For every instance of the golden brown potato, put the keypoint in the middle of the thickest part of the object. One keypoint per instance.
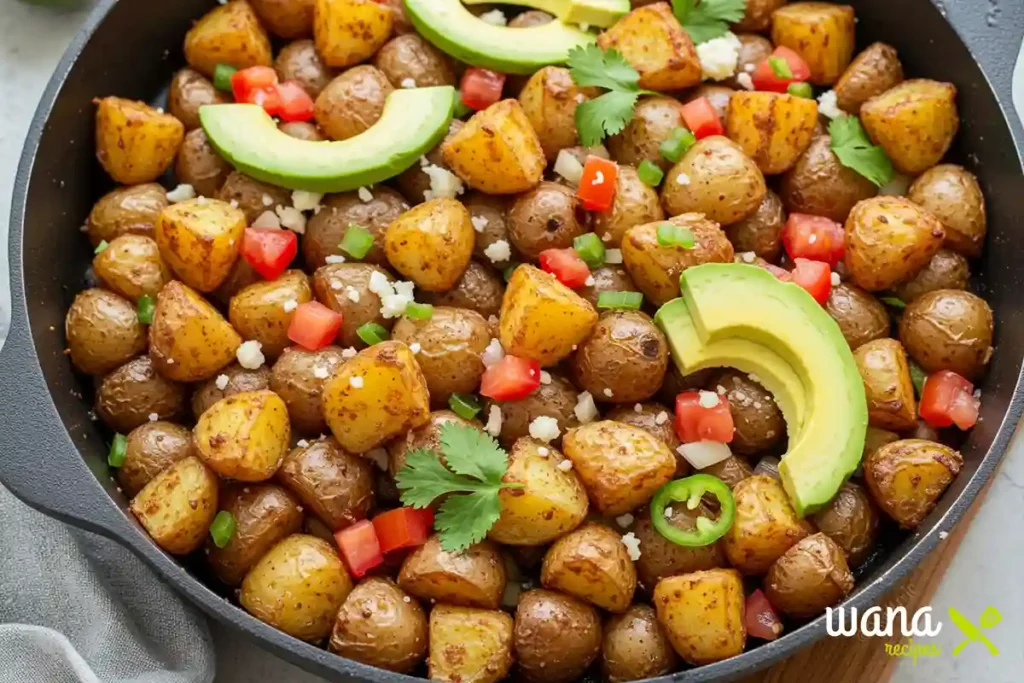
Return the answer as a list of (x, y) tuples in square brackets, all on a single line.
[(555, 399), (547, 217), (757, 419), (556, 637), (151, 449), (239, 379), (297, 587), (949, 329), (907, 477), (654, 120), (132, 394), (199, 165), (500, 136), (178, 505), (914, 122), (287, 19), (126, 210), (326, 230), (655, 419), (190, 90), (623, 360), (469, 645), (451, 342), (426, 437), (714, 178), (228, 34), (264, 515), (431, 244), (660, 557), (702, 614), (352, 103), (607, 279), (131, 266), (771, 128), (332, 483), (656, 45), (851, 520), (820, 32), (953, 195), (199, 240), (298, 377), (635, 203), (103, 331), (889, 239), (252, 197), (656, 269), (760, 233), (946, 270), (471, 578), (378, 624), (135, 143), (809, 577), (345, 288), (765, 525), (592, 564), (758, 15), (245, 436), (821, 186), (350, 31), (890, 393), (635, 646), (414, 182), (874, 71), (264, 311), (732, 470), (549, 100), (479, 289), (241, 276), (409, 61), (299, 62), (860, 316)]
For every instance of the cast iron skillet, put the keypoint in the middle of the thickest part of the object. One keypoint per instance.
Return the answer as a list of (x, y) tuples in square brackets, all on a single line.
[(53, 456)]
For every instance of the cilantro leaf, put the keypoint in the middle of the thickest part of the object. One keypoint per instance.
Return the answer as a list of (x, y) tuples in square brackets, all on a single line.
[(592, 66), (465, 520), (854, 150), (708, 19), (609, 114), (473, 453), (424, 479)]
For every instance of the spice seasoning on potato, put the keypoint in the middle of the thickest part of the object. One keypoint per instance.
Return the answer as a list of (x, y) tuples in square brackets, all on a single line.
[(946, 270), (351, 103), (765, 525), (592, 564), (761, 231), (661, 558), (635, 646), (914, 122), (547, 217), (133, 210), (556, 636), (469, 645), (178, 505), (332, 483), (471, 578), (809, 577), (949, 329), (871, 73), (654, 120), (715, 178), (702, 613), (135, 143), (907, 477), (623, 360), (150, 449), (556, 399), (245, 436), (396, 644), (851, 520), (953, 195), (132, 394), (103, 331)]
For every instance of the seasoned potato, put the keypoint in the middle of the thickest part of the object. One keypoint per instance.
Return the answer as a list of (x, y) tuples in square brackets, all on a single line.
[(654, 120), (431, 244), (607, 279), (851, 520), (820, 32), (906, 478), (228, 34), (103, 331), (252, 197), (498, 137), (635, 203), (126, 210), (556, 637), (451, 342), (555, 399), (190, 90), (378, 394), (326, 230), (821, 186), (199, 241), (715, 178), (130, 395), (754, 49), (472, 578), (860, 316), (702, 614), (655, 419), (889, 239), (135, 143), (761, 231), (345, 288), (952, 193), (549, 100), (241, 276), (479, 289), (378, 624), (890, 393), (264, 515), (876, 438), (809, 577), (352, 102), (178, 505), (541, 318), (949, 329), (410, 61), (426, 437), (732, 470), (765, 525), (298, 377), (914, 122), (635, 646), (758, 421), (660, 557), (151, 449), (656, 45), (199, 165), (489, 216), (297, 587), (874, 71), (758, 15), (258, 311), (287, 19), (131, 266), (469, 645), (301, 130), (623, 360), (547, 217), (656, 268), (772, 129), (332, 483), (414, 182), (350, 31), (239, 379), (620, 466), (299, 62), (592, 564), (245, 436), (400, 19), (946, 270)]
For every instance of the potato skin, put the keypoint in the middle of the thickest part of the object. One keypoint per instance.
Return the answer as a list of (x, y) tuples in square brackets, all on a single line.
[(189, 340), (297, 587), (298, 61), (758, 15), (152, 448), (557, 400), (949, 330), (771, 128), (821, 186), (653, 418), (126, 210), (809, 577), (134, 142), (890, 393), (414, 181), (245, 436), (635, 203), (860, 316), (178, 505), (350, 31), (332, 483), (479, 289), (547, 217), (914, 122), (431, 244), (199, 165), (761, 231), (451, 343), (758, 421), (754, 49), (765, 525), (469, 645), (409, 56), (607, 278), (871, 73), (657, 46), (654, 119), (732, 470), (229, 34), (472, 578), (851, 520), (239, 379), (715, 178), (625, 355), (490, 218), (294, 378), (252, 197), (257, 312), (822, 33), (556, 636), (661, 558), (326, 230), (335, 283), (103, 331), (351, 103), (199, 240), (128, 396), (190, 90), (378, 624), (946, 270), (635, 646), (549, 100), (702, 614), (286, 18), (907, 477), (592, 564), (953, 195)]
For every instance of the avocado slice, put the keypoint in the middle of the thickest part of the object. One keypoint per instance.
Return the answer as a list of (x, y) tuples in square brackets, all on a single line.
[(412, 123), (455, 30), (600, 13)]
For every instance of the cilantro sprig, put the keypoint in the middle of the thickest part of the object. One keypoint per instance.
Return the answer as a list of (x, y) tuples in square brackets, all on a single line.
[(854, 150), (608, 114), (470, 482), (706, 20)]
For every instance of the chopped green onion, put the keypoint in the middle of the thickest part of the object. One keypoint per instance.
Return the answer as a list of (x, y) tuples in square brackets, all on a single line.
[(803, 90), (650, 173), (677, 145), (590, 248), (372, 333), (357, 241), (465, 406), (509, 269), (222, 74), (780, 67), (630, 300), (223, 528), (146, 307), (672, 235), (118, 451), (894, 302), (918, 376), (461, 108), (101, 247), (418, 311)]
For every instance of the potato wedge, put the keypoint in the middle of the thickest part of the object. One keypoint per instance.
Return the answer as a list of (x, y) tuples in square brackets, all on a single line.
[(228, 34), (245, 436), (773, 129), (431, 244), (592, 564), (907, 477), (189, 340), (820, 32), (703, 614), (396, 642), (178, 505), (135, 143), (914, 122), (131, 266), (549, 100), (199, 240), (883, 366), (765, 525), (350, 31), (472, 578), (378, 394), (263, 311), (498, 137), (654, 42), (469, 645), (872, 72)]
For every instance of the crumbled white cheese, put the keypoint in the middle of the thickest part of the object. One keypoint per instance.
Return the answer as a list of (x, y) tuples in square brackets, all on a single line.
[(394, 297), (379, 456), (662, 418), (379, 284), (545, 377), (897, 187), (608, 392), (302, 443), (668, 512), (721, 390), (638, 408), (943, 535), (250, 356), (683, 179), (291, 218), (828, 105), (590, 281), (415, 347), (356, 382), (353, 294), (493, 353), (498, 252), (405, 288), (334, 258), (320, 372), (267, 219), (393, 306), (170, 361), (202, 201), (306, 201), (836, 280), (586, 409), (565, 465), (424, 161), (480, 223), (182, 193), (290, 305), (569, 167), (222, 382), (408, 83), (543, 451), (493, 426), (365, 196), (624, 520), (613, 256), (632, 544), (153, 417), (748, 257), (754, 378), (495, 17), (598, 179), (443, 183), (268, 200), (545, 428), (719, 57), (708, 399), (350, 352), (745, 81)]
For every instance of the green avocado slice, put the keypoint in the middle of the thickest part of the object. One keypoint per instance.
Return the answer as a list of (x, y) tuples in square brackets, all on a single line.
[(600, 13), (413, 121), (457, 31)]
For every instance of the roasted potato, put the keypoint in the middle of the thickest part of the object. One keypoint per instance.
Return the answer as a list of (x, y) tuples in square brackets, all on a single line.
[(345, 288), (287, 19), (178, 505), (555, 399), (754, 49), (772, 129), (760, 233), (245, 436), (426, 437), (126, 210), (472, 578), (350, 31), (715, 178), (297, 587), (199, 240), (299, 62), (890, 393), (654, 120), (135, 143), (635, 646), (409, 61), (732, 470), (298, 377), (949, 329), (489, 216), (228, 34), (874, 71), (352, 103), (332, 483), (479, 289), (301, 130), (907, 477), (241, 276), (103, 331), (809, 577), (199, 165), (189, 340), (851, 520), (252, 197), (549, 100), (451, 342), (860, 316), (820, 32), (914, 122), (400, 19), (431, 244), (655, 419), (238, 379), (953, 195), (592, 564), (765, 525), (131, 395), (469, 645), (656, 45), (623, 360), (547, 217), (757, 16), (702, 614), (876, 438), (326, 230), (152, 448), (607, 279), (189, 91), (417, 180), (821, 186), (131, 266), (264, 311), (946, 270), (556, 637), (635, 203), (396, 642), (660, 557), (758, 421)]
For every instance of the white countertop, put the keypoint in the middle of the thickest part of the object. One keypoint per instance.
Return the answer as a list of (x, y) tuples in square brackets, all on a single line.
[(986, 571)]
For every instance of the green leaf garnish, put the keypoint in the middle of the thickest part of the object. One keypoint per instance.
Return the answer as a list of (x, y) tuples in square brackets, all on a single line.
[(854, 150), (893, 302), (708, 19), (590, 66)]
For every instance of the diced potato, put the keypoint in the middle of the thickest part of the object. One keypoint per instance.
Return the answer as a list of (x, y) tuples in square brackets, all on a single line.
[(821, 32), (541, 318), (178, 505), (890, 392), (871, 73), (549, 100), (263, 311), (378, 394), (135, 143), (380, 625), (350, 31), (907, 477), (132, 267), (765, 525), (773, 129), (654, 42), (199, 239), (189, 340), (244, 436), (431, 244), (592, 564), (915, 123), (703, 614), (474, 577), (228, 34), (469, 645), (497, 151)]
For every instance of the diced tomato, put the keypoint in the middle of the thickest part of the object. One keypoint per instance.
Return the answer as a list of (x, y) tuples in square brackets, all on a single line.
[(765, 78), (597, 185), (296, 104), (566, 265), (510, 379), (695, 422), (815, 277), (403, 528), (762, 620), (702, 119), (245, 82), (814, 237), (359, 547), (268, 98), (948, 399), (481, 88), (314, 326), (269, 251)]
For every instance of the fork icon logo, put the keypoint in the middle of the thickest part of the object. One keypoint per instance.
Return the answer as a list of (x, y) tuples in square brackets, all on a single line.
[(989, 618)]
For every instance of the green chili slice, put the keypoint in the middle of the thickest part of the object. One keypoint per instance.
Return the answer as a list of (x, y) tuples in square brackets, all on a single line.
[(894, 302), (372, 333), (223, 528), (509, 269), (357, 241), (627, 300), (677, 145), (689, 491), (146, 307), (780, 67), (222, 74), (803, 90), (101, 247), (118, 451), (465, 406), (650, 173), (418, 311), (672, 235)]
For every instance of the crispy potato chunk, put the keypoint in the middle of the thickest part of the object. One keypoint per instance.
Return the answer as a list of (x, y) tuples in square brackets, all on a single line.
[(189, 340), (474, 577), (199, 240), (702, 613), (655, 43), (258, 311), (431, 244), (883, 366), (907, 477), (245, 436), (131, 266), (135, 143), (178, 505), (228, 34), (350, 31), (549, 100), (592, 564), (765, 525), (469, 645), (820, 32), (915, 123), (773, 129)]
